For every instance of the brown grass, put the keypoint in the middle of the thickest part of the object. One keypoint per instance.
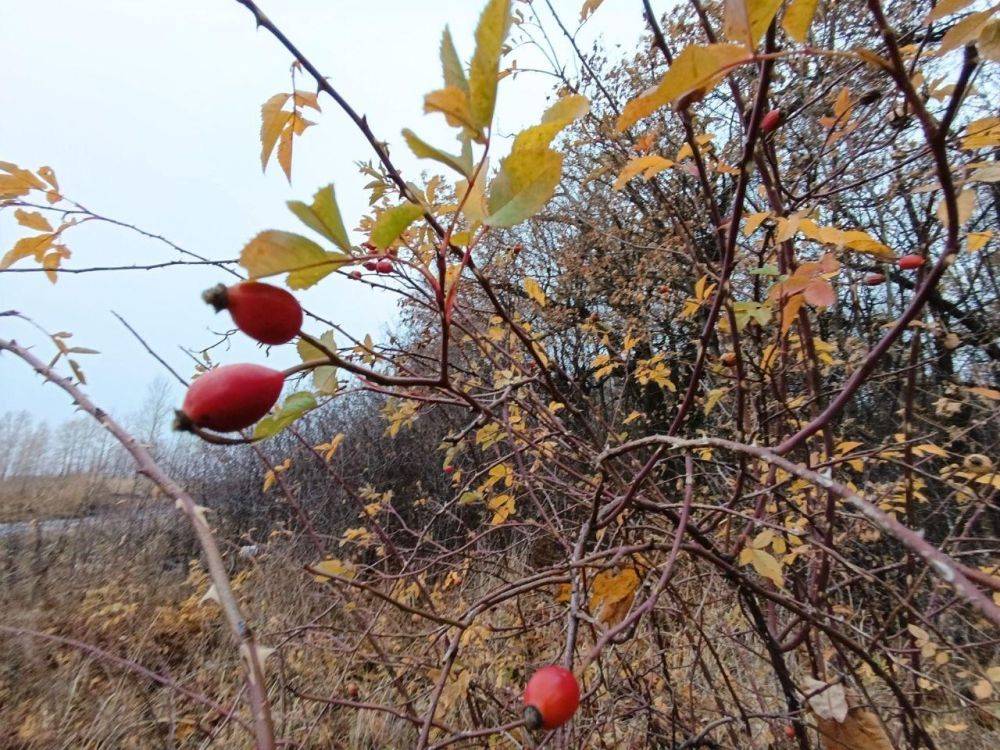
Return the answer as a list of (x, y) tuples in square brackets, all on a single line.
[(75, 496)]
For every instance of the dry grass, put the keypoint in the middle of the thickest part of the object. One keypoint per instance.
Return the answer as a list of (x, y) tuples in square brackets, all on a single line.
[(136, 592), (75, 496)]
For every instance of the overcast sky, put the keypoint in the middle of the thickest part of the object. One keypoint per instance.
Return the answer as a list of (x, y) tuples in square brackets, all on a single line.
[(148, 111)]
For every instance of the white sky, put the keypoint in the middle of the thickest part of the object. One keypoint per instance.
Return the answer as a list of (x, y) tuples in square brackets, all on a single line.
[(149, 112)]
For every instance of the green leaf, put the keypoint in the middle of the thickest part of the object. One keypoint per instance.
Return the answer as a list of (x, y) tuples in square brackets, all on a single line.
[(556, 117), (453, 73), (273, 252), (765, 271), (294, 407), (323, 216), (423, 150), (493, 26), (393, 222), (525, 183), (698, 66), (324, 378)]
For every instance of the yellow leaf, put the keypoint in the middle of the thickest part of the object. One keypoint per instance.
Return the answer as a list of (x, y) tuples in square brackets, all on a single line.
[(988, 42), (696, 67), (272, 252), (533, 290), (790, 310), (525, 183), (36, 246), (981, 133), (964, 32), (798, 18), (502, 507), (453, 103), (272, 122), (714, 396), (965, 204), (490, 33), (17, 181), (982, 689), (767, 567), (589, 6), (558, 116), (327, 568), (649, 165), (32, 220), (747, 20), (978, 240), (752, 221), (932, 449), (945, 8), (612, 594)]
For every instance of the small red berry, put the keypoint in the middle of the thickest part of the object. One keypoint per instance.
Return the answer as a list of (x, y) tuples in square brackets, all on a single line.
[(728, 359), (449, 469), (551, 697), (789, 731), (263, 312), (230, 397), (771, 121), (355, 274), (370, 265), (874, 279), (384, 266), (910, 262), (352, 690)]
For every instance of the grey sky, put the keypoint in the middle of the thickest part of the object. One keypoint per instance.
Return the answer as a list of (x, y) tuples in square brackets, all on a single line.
[(148, 111)]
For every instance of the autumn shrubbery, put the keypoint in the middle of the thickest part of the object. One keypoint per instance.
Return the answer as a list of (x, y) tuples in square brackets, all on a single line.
[(666, 407)]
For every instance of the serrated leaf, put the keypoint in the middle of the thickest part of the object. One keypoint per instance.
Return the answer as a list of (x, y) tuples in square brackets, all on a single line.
[(294, 407), (392, 222), (273, 252), (556, 117), (451, 64), (698, 66), (798, 18), (324, 378), (483, 72), (323, 216), (423, 150), (272, 122), (525, 183)]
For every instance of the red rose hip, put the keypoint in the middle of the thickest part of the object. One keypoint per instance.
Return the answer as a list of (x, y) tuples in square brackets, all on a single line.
[(230, 397), (910, 262), (384, 266), (370, 265), (551, 697), (771, 121), (262, 311), (874, 279)]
